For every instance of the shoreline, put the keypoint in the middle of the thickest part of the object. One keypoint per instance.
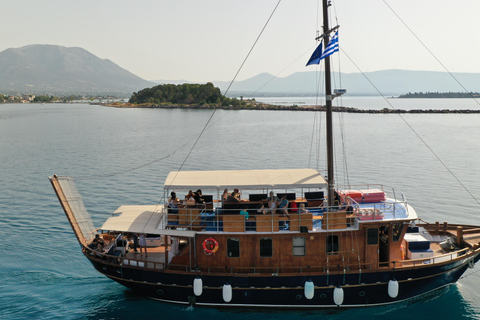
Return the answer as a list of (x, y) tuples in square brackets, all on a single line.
[(262, 106)]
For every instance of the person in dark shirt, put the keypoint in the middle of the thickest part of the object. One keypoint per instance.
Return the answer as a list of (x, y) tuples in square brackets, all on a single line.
[(199, 201), (97, 243)]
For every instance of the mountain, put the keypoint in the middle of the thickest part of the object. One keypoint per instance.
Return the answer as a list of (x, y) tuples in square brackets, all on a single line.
[(387, 82), (57, 70)]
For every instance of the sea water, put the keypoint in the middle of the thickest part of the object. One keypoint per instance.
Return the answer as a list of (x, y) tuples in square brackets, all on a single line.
[(122, 156)]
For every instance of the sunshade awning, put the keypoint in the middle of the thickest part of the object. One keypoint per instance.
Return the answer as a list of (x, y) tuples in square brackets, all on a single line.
[(245, 179), (141, 219)]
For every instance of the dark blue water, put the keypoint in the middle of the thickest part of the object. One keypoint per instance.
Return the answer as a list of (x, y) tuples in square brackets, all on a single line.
[(122, 156)]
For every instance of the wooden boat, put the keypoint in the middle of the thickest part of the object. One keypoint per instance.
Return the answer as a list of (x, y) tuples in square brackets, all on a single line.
[(347, 246)]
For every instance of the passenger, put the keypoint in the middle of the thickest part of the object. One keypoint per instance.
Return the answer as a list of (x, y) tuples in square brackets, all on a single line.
[(190, 196), (97, 243), (225, 195), (283, 205), (199, 201), (261, 208), (336, 198), (272, 201), (349, 207), (302, 209), (142, 242), (236, 193), (232, 198), (245, 213), (173, 203), (135, 243)]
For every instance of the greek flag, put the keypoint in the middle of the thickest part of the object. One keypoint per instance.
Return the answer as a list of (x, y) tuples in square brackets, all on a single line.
[(329, 50), (331, 47)]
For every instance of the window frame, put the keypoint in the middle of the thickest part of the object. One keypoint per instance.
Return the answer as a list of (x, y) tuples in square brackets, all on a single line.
[(261, 250), (332, 244), (303, 246)]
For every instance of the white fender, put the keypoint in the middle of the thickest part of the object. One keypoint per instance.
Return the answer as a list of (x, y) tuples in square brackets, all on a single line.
[(227, 292), (197, 286), (338, 296), (309, 290), (393, 288)]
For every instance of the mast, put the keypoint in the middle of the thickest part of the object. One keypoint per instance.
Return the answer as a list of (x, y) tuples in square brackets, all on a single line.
[(328, 98)]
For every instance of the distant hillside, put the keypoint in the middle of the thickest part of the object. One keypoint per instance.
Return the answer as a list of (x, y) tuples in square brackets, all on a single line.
[(60, 70), (388, 82)]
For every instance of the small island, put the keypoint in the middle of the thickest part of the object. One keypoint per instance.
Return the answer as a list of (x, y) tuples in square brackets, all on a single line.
[(207, 96)]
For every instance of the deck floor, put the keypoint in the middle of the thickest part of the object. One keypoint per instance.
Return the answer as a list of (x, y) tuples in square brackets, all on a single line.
[(155, 254)]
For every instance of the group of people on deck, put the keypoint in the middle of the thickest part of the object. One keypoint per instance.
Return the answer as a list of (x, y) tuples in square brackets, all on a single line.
[(195, 198), (274, 204)]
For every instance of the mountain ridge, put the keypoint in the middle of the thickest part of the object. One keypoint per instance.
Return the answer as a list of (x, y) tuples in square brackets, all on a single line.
[(52, 69), (391, 82)]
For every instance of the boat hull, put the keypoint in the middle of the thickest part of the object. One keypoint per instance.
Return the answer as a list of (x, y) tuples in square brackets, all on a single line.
[(288, 291)]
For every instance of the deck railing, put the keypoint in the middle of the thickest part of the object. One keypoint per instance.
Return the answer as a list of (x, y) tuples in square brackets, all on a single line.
[(346, 268), (225, 217), (312, 219)]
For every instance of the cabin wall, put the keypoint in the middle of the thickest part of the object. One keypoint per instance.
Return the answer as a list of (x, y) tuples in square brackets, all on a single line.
[(351, 249)]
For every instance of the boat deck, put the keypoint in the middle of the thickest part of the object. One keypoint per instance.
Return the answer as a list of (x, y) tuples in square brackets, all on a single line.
[(155, 254)]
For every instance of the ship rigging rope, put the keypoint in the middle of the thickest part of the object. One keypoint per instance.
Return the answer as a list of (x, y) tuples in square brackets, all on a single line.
[(431, 53), (204, 128), (233, 80), (448, 71), (414, 131)]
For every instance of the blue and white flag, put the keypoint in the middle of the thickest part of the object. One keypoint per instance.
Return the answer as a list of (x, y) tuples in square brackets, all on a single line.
[(331, 47), (329, 50)]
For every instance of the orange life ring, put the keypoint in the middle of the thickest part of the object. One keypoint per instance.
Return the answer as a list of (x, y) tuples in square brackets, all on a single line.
[(210, 246)]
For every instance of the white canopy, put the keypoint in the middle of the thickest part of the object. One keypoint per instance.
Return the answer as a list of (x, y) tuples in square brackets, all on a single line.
[(141, 219), (245, 179)]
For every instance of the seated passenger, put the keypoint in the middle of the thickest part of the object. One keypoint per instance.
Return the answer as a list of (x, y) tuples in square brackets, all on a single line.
[(97, 243), (173, 203), (272, 202), (199, 201), (232, 198), (190, 196), (225, 195), (302, 209), (283, 205), (245, 213), (236, 193)]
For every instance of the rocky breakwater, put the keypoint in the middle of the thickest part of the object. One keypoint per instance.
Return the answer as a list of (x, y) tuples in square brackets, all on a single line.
[(263, 106)]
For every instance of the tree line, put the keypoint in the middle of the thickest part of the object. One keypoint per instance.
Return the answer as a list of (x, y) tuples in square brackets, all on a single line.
[(187, 93), (440, 95)]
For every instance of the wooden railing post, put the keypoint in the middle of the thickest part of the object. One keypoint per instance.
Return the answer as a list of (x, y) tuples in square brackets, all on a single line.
[(445, 226), (459, 235)]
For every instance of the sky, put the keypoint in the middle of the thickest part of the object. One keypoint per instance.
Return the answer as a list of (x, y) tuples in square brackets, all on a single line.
[(208, 40)]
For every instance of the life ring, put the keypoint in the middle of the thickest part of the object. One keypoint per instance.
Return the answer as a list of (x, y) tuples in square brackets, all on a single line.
[(210, 246)]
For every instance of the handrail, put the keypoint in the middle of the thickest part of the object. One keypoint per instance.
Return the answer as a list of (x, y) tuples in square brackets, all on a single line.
[(313, 218)]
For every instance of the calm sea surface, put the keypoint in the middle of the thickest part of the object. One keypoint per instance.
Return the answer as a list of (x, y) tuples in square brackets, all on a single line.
[(122, 156)]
